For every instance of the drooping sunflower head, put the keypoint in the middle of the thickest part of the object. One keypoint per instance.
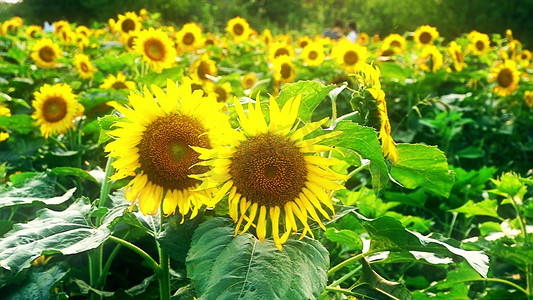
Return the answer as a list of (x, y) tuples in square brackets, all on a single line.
[(56, 108), (189, 38), (456, 54), (506, 76), (479, 43), (395, 43), (284, 69), (528, 98), (153, 144), (45, 53), (156, 49), (84, 66), (239, 29), (348, 55), (313, 54), (279, 48), (425, 35), (34, 31), (128, 22), (203, 68), (430, 59), (248, 80), (119, 82), (270, 171)]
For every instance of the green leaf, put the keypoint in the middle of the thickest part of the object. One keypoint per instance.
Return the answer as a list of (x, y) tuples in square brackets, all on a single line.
[(38, 285), (66, 232), (486, 207), (10, 201), (347, 237), (175, 238), (95, 97), (222, 266), (106, 123), (394, 70), (160, 79), (388, 289), (31, 184), (423, 166), (312, 94), (85, 289), (20, 123), (69, 171)]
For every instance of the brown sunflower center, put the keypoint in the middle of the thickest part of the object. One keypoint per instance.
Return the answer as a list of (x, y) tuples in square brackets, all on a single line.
[(54, 109), (119, 85), (425, 37), (188, 38), (505, 78), (524, 56), (128, 25), (84, 67), (204, 70), (33, 33), (351, 58), (459, 56), (209, 42), (312, 55), (286, 70), (480, 45), (303, 44), (269, 170), (238, 29), (222, 96), (281, 51), (387, 52), (165, 153), (154, 49), (396, 44), (47, 54)]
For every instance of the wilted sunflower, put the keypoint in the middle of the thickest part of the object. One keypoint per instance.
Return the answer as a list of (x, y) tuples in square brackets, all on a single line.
[(34, 31), (223, 92), (239, 29), (457, 55), (349, 55), (430, 59), (506, 75), (528, 98), (248, 80), (56, 108), (84, 66), (425, 35), (45, 52), (479, 43), (156, 49), (202, 68), (271, 172), (279, 48), (284, 69), (118, 83), (153, 143), (313, 54), (189, 38), (128, 22), (395, 43)]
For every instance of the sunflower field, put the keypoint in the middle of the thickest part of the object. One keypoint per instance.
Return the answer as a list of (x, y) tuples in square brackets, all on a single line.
[(145, 161)]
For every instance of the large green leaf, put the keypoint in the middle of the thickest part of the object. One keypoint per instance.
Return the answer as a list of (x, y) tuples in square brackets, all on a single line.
[(486, 207), (423, 166), (175, 238), (8, 201), (66, 232), (222, 266), (20, 123), (312, 94), (37, 286), (70, 171), (386, 289)]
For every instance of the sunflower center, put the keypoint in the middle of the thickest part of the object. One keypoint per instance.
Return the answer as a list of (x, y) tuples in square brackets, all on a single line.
[(203, 70), (524, 56), (350, 58), (222, 96), (505, 78), (154, 49), (425, 37), (285, 70), (54, 109), (303, 44), (84, 67), (459, 56), (128, 25), (312, 55), (396, 44), (269, 170), (130, 41), (46, 54), (209, 42), (119, 85), (188, 38), (480, 45), (165, 153), (238, 29), (281, 51), (387, 52)]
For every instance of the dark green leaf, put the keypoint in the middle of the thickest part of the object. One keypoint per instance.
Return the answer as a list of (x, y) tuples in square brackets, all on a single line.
[(85, 289), (312, 94), (21, 123), (69, 171), (389, 289), (38, 286), (175, 238)]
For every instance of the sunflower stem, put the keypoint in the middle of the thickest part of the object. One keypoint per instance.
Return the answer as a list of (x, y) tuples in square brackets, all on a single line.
[(358, 169), (106, 184), (95, 269), (147, 258), (163, 276)]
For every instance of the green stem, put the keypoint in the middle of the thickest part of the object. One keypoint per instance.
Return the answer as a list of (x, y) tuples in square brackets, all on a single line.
[(347, 262), (108, 262), (95, 269), (333, 112), (529, 278), (450, 230), (359, 169), (147, 258), (338, 290), (106, 184), (344, 277), (163, 277)]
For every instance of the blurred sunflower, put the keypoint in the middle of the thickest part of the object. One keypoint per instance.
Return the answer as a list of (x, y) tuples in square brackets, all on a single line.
[(4, 111), (279, 48), (9, 26), (303, 41), (363, 39), (83, 30), (81, 41), (84, 66), (395, 43), (456, 53), (210, 40), (111, 23), (153, 144), (430, 59), (266, 36), (479, 43), (223, 92), (128, 22), (506, 75), (239, 29), (349, 55), (313, 54), (67, 36), (271, 172), (119, 82), (34, 31), (284, 69), (189, 38), (128, 40), (56, 108), (528, 98), (524, 58), (248, 80), (156, 49), (425, 35), (202, 69), (45, 52), (60, 26)]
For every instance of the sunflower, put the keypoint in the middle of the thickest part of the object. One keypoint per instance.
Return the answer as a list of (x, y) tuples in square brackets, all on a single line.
[(425, 35), (202, 69), (143, 13), (119, 82), (479, 43), (156, 49), (239, 29), (506, 75), (210, 40), (524, 58), (313, 54), (67, 36), (83, 30), (81, 41), (45, 52), (266, 36), (111, 23), (60, 26), (248, 80), (395, 43), (153, 144), (363, 39), (189, 38), (84, 66), (223, 92), (271, 172), (528, 98), (128, 40), (284, 69), (279, 48), (128, 22), (430, 59), (4, 110), (457, 55), (34, 31), (56, 108), (349, 55), (303, 41)]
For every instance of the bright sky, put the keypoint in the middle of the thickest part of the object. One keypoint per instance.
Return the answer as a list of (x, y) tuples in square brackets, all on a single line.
[(11, 1)]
